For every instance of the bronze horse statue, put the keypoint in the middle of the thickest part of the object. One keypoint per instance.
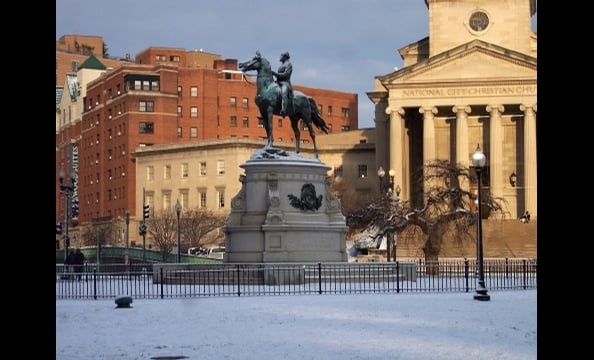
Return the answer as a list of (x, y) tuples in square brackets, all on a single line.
[(268, 99)]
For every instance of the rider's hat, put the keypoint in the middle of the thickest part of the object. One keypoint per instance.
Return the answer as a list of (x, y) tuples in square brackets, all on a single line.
[(286, 54)]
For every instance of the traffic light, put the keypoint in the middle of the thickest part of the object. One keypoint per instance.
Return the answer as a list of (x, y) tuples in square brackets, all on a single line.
[(142, 229), (58, 228), (145, 211), (75, 207)]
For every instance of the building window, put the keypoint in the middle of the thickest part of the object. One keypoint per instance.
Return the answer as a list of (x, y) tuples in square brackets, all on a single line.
[(150, 173), (179, 132), (203, 168), (221, 198), (74, 66), (184, 198), (329, 128), (260, 122), (154, 85), (150, 199), (320, 108), (338, 171), (179, 111), (194, 91), (194, 111), (345, 112), (166, 200), (174, 58), (344, 128), (329, 110), (245, 121), (161, 58), (233, 102), (279, 123), (146, 127), (179, 90), (202, 196), (362, 171), (220, 167), (233, 121), (167, 172), (146, 106), (193, 132), (245, 102), (184, 170)]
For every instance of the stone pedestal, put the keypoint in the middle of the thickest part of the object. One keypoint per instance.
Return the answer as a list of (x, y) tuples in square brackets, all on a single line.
[(284, 212)]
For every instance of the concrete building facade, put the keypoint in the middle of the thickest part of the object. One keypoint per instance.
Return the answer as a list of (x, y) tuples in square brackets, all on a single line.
[(471, 81)]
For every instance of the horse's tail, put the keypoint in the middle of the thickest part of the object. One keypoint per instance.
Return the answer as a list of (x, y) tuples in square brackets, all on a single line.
[(316, 117)]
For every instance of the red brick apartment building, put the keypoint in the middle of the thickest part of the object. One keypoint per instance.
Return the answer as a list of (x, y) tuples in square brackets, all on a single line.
[(167, 95)]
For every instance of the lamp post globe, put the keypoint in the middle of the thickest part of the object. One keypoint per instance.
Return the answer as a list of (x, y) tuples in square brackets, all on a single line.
[(479, 161)]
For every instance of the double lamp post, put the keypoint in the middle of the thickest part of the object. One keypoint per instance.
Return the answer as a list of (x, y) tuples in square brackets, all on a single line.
[(66, 189), (387, 188)]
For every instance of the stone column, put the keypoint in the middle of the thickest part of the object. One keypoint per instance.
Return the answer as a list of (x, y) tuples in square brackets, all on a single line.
[(397, 150), (529, 158), (429, 113), (495, 160), (462, 153), (429, 151), (382, 130)]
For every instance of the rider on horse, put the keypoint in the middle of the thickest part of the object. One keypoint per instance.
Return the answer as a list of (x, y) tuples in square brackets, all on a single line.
[(283, 78)]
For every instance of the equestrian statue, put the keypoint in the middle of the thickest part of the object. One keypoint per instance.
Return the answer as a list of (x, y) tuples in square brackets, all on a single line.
[(278, 98)]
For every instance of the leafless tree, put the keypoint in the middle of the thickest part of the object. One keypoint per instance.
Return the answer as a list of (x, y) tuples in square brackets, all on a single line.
[(197, 223), (162, 226), (446, 209), (101, 233)]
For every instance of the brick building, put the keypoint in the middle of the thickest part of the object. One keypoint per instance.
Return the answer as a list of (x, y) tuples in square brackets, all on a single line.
[(167, 96)]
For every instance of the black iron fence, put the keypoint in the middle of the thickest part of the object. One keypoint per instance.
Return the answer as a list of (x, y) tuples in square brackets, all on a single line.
[(167, 280)]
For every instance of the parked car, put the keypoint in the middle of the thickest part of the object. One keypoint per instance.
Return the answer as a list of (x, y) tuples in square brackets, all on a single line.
[(197, 250), (216, 252)]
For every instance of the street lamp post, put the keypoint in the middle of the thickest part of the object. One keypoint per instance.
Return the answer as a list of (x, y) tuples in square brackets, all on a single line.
[(67, 190), (387, 188), (178, 211), (394, 200), (127, 253), (478, 162)]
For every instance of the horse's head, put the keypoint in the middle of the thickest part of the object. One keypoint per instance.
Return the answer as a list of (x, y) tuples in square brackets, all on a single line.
[(256, 63)]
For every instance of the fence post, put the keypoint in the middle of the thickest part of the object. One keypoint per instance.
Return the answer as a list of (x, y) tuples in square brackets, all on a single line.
[(466, 271), (162, 280), (320, 278), (95, 284)]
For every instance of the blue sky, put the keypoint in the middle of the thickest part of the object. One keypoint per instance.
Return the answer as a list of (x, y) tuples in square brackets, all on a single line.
[(334, 44)]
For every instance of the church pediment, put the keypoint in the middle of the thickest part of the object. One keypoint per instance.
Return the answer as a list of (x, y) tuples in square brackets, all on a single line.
[(473, 61)]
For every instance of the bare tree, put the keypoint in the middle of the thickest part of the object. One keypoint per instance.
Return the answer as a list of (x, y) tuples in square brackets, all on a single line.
[(163, 228), (351, 199), (197, 223), (447, 209), (100, 233)]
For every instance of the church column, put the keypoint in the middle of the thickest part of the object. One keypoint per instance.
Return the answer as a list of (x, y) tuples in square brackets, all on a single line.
[(397, 151), (429, 152), (529, 158), (429, 113), (382, 129), (462, 153), (496, 150)]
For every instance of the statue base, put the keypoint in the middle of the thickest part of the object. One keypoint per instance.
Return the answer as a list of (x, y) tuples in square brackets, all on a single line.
[(284, 212)]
